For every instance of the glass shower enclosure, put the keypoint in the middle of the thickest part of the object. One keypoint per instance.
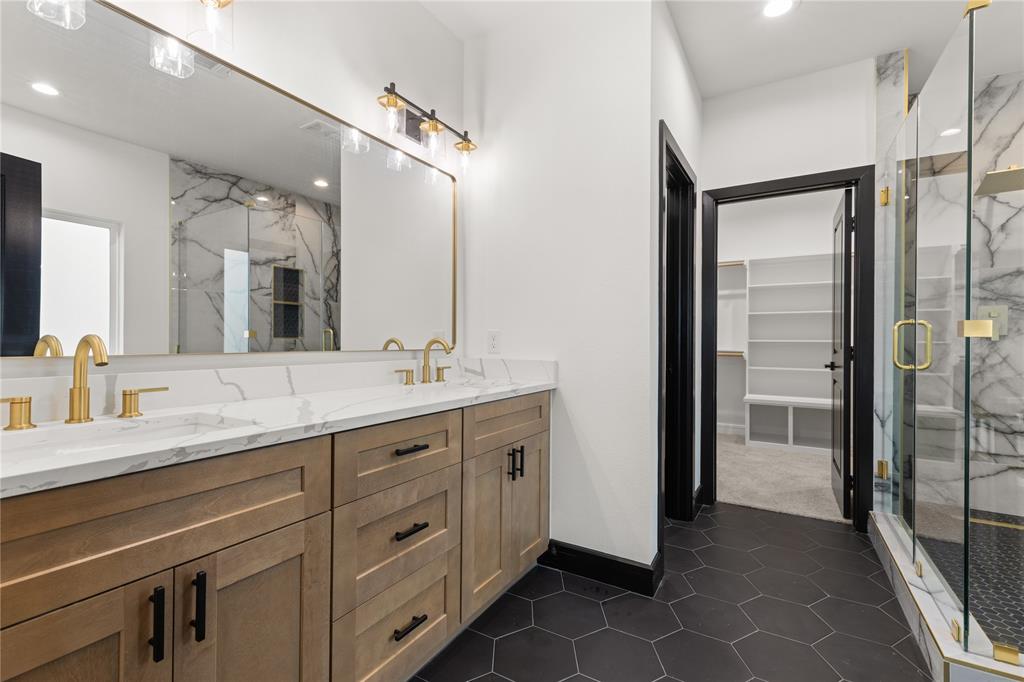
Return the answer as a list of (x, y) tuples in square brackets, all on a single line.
[(951, 266)]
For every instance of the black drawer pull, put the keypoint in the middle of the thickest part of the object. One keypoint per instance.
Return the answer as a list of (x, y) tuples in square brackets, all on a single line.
[(522, 460), (416, 622), (416, 528), (157, 640), (199, 623), (402, 452)]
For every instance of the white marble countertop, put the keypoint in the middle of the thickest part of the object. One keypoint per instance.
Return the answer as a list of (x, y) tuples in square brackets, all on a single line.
[(56, 454)]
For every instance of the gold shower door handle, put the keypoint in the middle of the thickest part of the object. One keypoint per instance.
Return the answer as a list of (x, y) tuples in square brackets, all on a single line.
[(327, 332), (896, 354)]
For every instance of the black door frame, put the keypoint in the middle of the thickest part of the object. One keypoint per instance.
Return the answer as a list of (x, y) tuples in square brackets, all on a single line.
[(862, 179), (676, 348)]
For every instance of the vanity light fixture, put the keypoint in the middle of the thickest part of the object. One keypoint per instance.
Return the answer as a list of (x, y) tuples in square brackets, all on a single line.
[(431, 127), (321, 183), (949, 132), (169, 56), (68, 14), (45, 89), (776, 8), (355, 142), (211, 25)]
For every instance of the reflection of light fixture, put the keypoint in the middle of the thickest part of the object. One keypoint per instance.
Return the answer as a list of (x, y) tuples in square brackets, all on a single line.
[(392, 106), (354, 141), (949, 132), (465, 147), (776, 8), (431, 175), (45, 89), (397, 160), (262, 199), (69, 14), (321, 183), (211, 25), (166, 54), (432, 129)]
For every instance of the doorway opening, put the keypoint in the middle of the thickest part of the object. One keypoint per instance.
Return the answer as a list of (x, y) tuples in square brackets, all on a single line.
[(787, 347)]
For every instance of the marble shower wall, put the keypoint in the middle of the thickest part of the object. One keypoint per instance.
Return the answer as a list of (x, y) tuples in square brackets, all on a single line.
[(212, 211)]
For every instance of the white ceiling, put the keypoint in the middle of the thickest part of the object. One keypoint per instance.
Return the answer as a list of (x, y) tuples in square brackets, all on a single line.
[(732, 46)]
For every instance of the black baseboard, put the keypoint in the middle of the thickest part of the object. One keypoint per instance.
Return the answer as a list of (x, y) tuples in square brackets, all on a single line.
[(589, 563)]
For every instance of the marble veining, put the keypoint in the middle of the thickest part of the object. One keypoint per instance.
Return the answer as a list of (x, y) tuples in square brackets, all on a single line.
[(248, 408)]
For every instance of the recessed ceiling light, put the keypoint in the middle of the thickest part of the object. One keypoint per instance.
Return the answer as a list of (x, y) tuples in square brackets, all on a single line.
[(948, 132), (320, 182), (262, 198), (776, 8), (45, 89)]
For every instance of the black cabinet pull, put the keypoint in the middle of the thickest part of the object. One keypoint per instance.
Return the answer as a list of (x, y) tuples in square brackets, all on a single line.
[(402, 452), (522, 460), (416, 622), (512, 464), (199, 623), (416, 528), (157, 640)]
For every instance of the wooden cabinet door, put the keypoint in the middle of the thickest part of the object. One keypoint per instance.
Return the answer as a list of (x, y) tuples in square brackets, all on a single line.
[(530, 502), (111, 637), (259, 610), (487, 562)]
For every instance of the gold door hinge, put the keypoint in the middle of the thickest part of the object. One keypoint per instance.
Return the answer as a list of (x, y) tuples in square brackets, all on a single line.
[(883, 469), (1007, 653), (977, 329), (883, 197), (954, 629), (919, 568), (976, 4)]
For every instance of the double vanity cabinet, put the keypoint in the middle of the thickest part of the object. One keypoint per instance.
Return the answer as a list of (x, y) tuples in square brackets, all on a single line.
[(354, 556)]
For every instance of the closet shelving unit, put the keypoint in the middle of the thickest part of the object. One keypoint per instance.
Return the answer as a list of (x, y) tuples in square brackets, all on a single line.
[(788, 397), (732, 344)]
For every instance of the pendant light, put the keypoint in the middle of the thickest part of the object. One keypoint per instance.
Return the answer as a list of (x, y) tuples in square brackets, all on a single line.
[(465, 147), (211, 25), (68, 14), (431, 134), (393, 106)]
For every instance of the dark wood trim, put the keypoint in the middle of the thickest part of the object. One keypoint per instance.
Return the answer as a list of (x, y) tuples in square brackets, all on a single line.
[(613, 570), (677, 319), (862, 178)]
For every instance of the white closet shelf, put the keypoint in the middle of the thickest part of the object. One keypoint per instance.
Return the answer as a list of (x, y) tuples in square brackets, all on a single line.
[(790, 312), (732, 292), (789, 340), (786, 400), (791, 369), (790, 285)]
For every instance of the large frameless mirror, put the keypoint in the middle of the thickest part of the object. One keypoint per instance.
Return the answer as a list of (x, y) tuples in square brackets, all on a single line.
[(172, 204)]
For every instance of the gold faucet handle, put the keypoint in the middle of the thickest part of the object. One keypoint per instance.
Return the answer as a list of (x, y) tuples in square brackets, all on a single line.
[(439, 374), (130, 400), (21, 413), (410, 376)]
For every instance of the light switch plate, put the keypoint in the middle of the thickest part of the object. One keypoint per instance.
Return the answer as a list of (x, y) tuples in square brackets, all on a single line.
[(1000, 316)]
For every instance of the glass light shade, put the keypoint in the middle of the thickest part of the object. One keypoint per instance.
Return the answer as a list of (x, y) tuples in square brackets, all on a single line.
[(392, 111), (464, 148), (211, 25), (432, 135), (397, 160), (69, 14), (354, 141), (171, 57)]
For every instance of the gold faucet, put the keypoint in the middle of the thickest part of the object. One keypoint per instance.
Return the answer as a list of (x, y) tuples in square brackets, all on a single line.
[(426, 356), (48, 343), (395, 341), (78, 400)]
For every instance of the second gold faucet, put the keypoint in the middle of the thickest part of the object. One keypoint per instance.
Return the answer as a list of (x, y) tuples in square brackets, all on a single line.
[(426, 357)]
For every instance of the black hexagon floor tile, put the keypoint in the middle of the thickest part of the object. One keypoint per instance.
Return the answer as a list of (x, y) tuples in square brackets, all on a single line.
[(777, 658), (787, 619), (534, 655), (728, 559), (849, 586), (714, 582), (640, 616), (508, 614), (539, 582), (567, 614), (691, 656), (785, 585), (713, 617), (673, 587), (786, 559), (737, 538), (680, 560), (858, 660), (612, 656), (685, 537), (860, 620), (841, 560), (468, 656)]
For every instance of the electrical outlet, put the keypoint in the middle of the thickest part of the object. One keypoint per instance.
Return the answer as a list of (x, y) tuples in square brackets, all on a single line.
[(493, 342)]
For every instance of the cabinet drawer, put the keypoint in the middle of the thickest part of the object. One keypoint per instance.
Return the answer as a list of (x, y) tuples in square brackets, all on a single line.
[(62, 545), (492, 425), (378, 457), (385, 537), (390, 636)]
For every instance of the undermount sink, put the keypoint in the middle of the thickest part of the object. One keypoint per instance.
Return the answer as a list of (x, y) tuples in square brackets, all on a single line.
[(106, 432)]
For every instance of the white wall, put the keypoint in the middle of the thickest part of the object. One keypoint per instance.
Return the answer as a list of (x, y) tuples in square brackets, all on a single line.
[(819, 122), (796, 225), (561, 242), (98, 177)]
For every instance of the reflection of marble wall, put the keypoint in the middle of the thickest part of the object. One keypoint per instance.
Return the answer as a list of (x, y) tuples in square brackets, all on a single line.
[(213, 211)]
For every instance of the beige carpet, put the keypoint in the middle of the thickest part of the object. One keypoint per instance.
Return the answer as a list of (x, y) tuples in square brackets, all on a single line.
[(775, 478)]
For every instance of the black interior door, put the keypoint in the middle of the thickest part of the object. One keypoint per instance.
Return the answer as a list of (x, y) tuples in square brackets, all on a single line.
[(21, 214), (842, 233)]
